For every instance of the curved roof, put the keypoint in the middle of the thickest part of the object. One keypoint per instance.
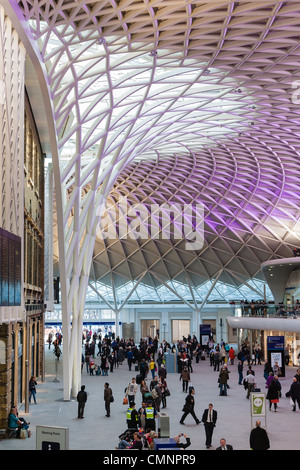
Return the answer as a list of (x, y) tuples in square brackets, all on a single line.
[(180, 102)]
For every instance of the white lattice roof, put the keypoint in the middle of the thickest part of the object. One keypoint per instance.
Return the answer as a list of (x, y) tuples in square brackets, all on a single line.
[(178, 102)]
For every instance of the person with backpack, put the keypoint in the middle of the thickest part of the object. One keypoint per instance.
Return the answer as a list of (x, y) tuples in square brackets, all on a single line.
[(81, 399), (132, 417)]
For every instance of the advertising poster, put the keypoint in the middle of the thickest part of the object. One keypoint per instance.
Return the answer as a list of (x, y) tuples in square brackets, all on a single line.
[(258, 404), (276, 357)]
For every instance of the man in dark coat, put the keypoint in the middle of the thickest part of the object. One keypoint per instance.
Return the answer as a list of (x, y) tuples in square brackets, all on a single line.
[(224, 445), (209, 419), (189, 406), (81, 399), (294, 393), (259, 439), (107, 398)]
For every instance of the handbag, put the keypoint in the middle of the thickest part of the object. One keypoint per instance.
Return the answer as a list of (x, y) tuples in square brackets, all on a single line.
[(125, 401), (111, 399), (167, 392), (23, 434)]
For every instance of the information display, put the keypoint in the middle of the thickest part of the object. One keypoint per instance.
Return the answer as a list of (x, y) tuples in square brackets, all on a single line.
[(205, 334), (10, 269), (275, 351)]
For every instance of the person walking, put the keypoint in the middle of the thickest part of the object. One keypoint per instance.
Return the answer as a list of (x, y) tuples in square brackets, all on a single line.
[(189, 406), (250, 382), (81, 399), (223, 379), (87, 362), (267, 370), (107, 398), (240, 372), (32, 389), (186, 378), (130, 358), (259, 439), (144, 389), (294, 393), (231, 355), (152, 367), (132, 388), (209, 419), (165, 392), (273, 394), (217, 360)]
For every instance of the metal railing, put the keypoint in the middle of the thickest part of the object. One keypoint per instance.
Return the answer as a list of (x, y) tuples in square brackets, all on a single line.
[(266, 309)]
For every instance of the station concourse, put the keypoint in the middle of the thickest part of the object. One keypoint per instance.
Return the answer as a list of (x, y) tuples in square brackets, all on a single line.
[(97, 432)]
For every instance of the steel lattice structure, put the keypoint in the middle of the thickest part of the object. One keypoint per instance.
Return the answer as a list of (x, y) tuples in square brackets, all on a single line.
[(210, 87)]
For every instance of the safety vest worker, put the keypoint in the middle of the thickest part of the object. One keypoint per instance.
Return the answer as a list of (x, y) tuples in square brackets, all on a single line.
[(150, 414), (129, 415), (132, 417)]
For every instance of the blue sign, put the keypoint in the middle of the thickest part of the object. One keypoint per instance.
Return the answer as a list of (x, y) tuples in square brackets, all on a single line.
[(275, 343), (205, 329)]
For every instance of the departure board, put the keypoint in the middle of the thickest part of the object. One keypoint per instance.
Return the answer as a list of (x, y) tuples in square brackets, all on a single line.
[(10, 269)]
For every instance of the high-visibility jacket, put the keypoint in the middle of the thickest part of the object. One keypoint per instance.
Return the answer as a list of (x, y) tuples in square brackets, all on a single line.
[(129, 416), (149, 412)]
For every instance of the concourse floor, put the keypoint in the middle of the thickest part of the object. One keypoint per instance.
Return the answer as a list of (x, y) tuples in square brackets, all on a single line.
[(97, 432)]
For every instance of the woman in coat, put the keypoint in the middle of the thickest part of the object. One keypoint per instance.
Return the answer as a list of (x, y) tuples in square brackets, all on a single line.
[(273, 394)]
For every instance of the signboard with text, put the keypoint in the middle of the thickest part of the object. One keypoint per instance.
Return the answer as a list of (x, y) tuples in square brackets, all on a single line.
[(52, 438), (205, 333), (275, 350)]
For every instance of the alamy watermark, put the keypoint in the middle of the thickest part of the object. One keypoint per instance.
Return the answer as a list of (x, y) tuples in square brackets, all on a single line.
[(296, 93), (166, 221)]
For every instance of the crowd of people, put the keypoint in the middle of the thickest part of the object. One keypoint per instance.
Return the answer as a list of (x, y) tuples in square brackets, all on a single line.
[(262, 308), (146, 393)]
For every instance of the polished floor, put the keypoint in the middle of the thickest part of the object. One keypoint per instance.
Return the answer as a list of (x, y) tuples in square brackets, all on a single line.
[(97, 432)]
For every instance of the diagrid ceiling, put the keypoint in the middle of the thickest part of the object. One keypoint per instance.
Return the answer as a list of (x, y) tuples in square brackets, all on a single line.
[(198, 103)]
